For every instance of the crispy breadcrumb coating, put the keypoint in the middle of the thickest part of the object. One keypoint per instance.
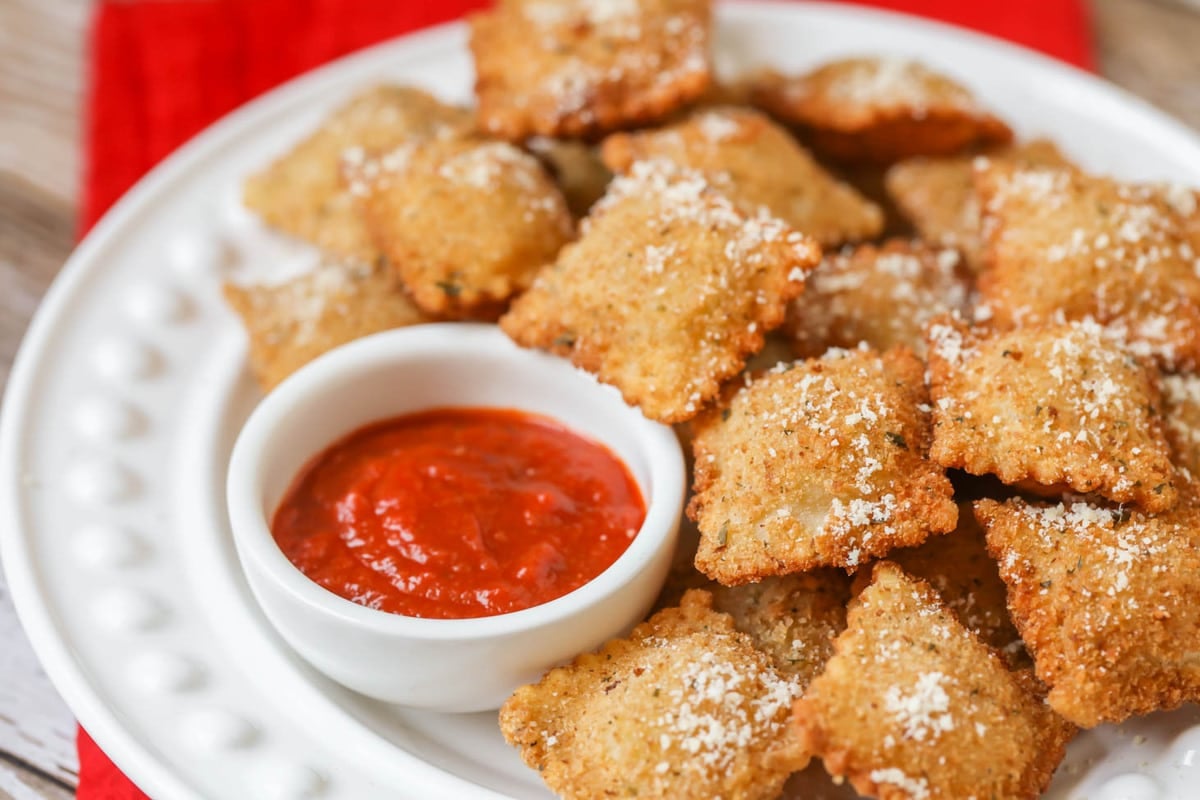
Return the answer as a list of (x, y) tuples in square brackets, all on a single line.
[(878, 295), (1105, 599), (583, 67), (755, 163), (466, 223), (1058, 406), (913, 706), (1063, 245), (937, 194), (668, 290), (820, 463), (879, 110), (302, 193), (685, 708), (292, 323)]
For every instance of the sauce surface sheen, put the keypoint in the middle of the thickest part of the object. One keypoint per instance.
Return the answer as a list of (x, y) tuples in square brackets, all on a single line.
[(459, 512)]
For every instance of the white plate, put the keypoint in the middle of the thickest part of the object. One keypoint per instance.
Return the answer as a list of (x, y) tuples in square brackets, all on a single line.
[(132, 383)]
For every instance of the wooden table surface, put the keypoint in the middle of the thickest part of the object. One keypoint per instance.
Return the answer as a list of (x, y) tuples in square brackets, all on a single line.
[(1151, 48)]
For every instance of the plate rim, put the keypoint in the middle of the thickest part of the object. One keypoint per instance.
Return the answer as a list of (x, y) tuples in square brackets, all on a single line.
[(69, 676)]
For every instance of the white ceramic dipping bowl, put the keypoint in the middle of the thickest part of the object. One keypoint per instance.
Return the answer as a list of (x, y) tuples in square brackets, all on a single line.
[(457, 664)]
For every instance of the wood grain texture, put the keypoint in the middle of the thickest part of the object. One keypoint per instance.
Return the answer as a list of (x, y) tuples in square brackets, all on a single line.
[(1148, 46)]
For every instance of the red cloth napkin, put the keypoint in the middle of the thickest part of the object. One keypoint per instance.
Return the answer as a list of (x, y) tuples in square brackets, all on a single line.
[(162, 70)]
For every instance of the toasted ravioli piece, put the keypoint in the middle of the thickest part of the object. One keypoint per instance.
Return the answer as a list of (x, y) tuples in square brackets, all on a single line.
[(792, 618), (1105, 599), (683, 708), (879, 110), (755, 163), (938, 197), (583, 67), (959, 568), (913, 706), (820, 463), (1055, 406), (882, 296), (302, 192), (292, 323), (668, 290), (466, 223), (1060, 244), (1181, 403), (576, 167)]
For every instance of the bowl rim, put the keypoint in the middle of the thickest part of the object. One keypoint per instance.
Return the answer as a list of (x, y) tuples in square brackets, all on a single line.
[(663, 491)]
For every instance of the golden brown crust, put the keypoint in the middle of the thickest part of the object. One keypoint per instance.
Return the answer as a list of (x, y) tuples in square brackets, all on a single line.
[(879, 110), (302, 194), (1061, 244), (1105, 601), (684, 708), (1061, 407), (938, 194), (1181, 412), (755, 163), (792, 618), (880, 295), (292, 323), (819, 464), (583, 67), (667, 291), (466, 223), (913, 707), (960, 570)]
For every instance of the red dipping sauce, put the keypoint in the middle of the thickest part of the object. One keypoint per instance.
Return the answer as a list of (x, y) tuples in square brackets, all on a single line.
[(463, 512)]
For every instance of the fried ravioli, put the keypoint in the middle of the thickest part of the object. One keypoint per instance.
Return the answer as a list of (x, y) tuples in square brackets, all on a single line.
[(583, 67), (1105, 601), (302, 192), (792, 618), (466, 223), (880, 295), (913, 707), (879, 110), (755, 163), (685, 708), (292, 323), (1049, 407), (667, 292), (938, 194), (820, 463), (959, 568), (1060, 244)]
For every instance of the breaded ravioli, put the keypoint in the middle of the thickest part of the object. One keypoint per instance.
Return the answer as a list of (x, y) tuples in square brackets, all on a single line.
[(302, 192), (685, 709), (879, 110), (755, 163), (913, 706), (668, 290), (1105, 599), (1181, 407), (577, 169), (466, 223), (959, 568), (1061, 244), (1049, 408), (880, 295), (817, 463), (583, 67), (937, 194), (792, 618), (292, 323)]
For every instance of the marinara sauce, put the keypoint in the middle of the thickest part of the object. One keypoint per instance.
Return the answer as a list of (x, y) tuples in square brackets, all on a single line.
[(463, 512)]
